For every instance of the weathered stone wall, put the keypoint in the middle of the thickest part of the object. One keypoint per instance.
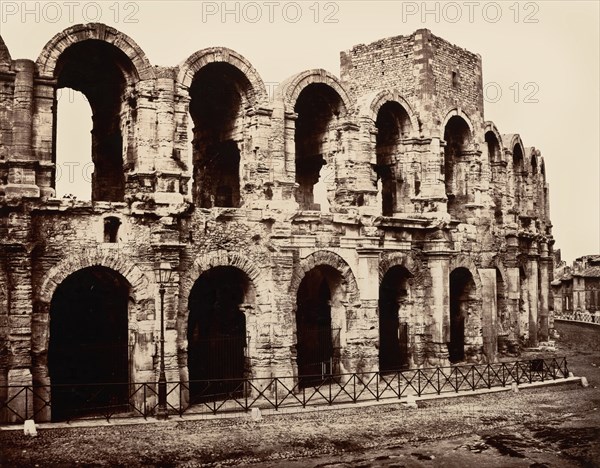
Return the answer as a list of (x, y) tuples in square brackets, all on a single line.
[(494, 227)]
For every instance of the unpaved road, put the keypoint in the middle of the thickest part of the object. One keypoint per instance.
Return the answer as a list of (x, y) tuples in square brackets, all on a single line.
[(551, 426)]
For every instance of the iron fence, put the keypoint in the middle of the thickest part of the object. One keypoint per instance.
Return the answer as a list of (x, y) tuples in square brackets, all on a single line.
[(580, 317), (278, 393)]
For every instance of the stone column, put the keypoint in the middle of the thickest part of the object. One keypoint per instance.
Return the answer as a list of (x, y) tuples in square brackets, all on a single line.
[(367, 328), (140, 162), (545, 266), (533, 292), (489, 312), (19, 324), (431, 201), (512, 305), (43, 136), (438, 261), (21, 164), (167, 189), (289, 137)]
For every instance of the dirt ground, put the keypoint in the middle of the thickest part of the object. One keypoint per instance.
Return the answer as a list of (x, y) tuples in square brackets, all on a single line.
[(555, 426)]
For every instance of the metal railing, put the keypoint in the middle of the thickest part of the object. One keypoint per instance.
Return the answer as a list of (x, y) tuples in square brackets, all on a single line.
[(280, 393), (577, 316)]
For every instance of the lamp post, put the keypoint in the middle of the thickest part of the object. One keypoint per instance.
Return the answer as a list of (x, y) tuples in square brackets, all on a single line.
[(163, 275)]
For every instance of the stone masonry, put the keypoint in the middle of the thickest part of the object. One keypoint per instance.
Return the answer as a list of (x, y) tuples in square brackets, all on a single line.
[(381, 199)]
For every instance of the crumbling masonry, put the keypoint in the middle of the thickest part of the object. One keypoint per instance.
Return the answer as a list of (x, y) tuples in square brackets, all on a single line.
[(373, 221)]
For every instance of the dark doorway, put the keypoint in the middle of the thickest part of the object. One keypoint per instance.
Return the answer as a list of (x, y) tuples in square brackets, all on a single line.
[(393, 333), (462, 287), (217, 333), (219, 101), (393, 124), (317, 341), (457, 136), (100, 71), (88, 353), (318, 107)]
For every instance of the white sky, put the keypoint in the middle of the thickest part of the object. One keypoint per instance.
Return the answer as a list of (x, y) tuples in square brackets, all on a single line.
[(548, 48)]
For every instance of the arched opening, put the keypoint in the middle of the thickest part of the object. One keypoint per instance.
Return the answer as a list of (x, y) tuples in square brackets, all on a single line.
[(218, 104), (393, 124), (74, 165), (462, 290), (519, 176), (317, 333), (88, 359), (457, 136), (216, 332), (99, 71), (318, 107), (495, 159), (394, 295)]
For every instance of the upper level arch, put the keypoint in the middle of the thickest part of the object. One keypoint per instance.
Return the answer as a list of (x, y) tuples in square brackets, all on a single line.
[(455, 115), (458, 151), (493, 140), (290, 89), (255, 90), (48, 59), (369, 106), (223, 87), (513, 142), (5, 59), (319, 104)]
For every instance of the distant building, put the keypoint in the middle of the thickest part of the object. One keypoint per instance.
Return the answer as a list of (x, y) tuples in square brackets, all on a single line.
[(576, 289)]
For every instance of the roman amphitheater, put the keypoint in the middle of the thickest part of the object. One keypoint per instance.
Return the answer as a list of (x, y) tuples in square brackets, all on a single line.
[(371, 221)]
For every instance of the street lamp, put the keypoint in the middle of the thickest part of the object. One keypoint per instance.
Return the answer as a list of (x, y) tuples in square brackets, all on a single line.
[(163, 276)]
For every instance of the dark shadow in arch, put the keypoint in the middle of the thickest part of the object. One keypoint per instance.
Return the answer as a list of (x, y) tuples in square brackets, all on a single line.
[(462, 288), (318, 344), (216, 334), (89, 343), (393, 334)]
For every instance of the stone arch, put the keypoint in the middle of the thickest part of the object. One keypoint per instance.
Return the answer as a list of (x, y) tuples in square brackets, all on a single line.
[(332, 259), (490, 127), (513, 140), (291, 88), (48, 58), (187, 70), (140, 285), (205, 262), (408, 260), (141, 305), (257, 281), (464, 261), (457, 112), (5, 59), (369, 105)]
